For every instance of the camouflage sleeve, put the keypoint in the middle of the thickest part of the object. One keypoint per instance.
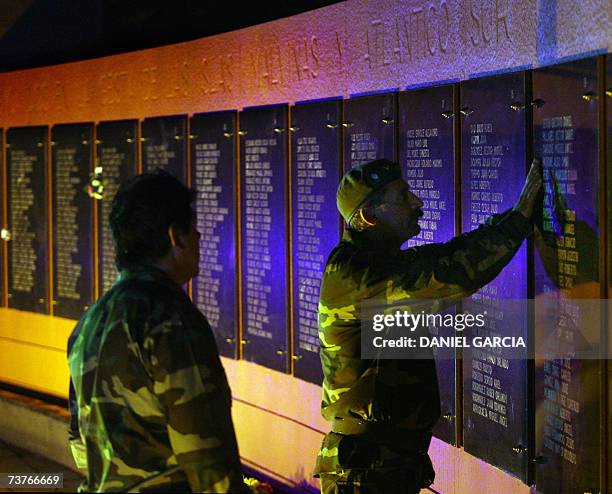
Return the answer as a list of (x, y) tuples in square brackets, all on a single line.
[(191, 386), (461, 266), (77, 447)]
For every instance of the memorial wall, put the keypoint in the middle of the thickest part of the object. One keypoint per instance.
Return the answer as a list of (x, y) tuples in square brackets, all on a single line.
[(385, 85)]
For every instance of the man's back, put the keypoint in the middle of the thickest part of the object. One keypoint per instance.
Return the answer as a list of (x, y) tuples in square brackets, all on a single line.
[(153, 399)]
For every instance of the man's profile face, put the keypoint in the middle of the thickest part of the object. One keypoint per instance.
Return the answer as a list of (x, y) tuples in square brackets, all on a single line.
[(399, 212), (192, 251)]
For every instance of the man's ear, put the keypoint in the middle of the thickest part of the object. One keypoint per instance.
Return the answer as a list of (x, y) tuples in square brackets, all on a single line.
[(176, 236)]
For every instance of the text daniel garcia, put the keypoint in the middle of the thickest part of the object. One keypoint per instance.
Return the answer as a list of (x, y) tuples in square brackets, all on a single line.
[(411, 321)]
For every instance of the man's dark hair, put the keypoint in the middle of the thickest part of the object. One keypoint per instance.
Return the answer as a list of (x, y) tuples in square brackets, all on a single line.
[(142, 211)]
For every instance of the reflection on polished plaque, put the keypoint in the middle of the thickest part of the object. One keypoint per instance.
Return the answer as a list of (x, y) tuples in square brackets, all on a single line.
[(71, 165), (213, 175), (567, 391), (426, 156), (164, 145), (263, 209), (369, 128), (315, 159), (117, 155), (494, 119), (27, 215)]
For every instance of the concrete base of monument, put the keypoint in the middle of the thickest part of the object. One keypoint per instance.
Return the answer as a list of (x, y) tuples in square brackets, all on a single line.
[(36, 426)]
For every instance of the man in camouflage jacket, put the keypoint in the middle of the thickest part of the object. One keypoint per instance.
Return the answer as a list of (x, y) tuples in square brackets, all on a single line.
[(149, 399), (382, 411)]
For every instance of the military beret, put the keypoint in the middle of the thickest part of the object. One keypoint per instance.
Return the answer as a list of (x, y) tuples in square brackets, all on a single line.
[(361, 181)]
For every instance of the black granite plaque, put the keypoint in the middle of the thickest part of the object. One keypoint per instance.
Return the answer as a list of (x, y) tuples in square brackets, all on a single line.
[(427, 158), (213, 175), (164, 144), (117, 156), (263, 210), (71, 166), (369, 128), (494, 153), (315, 162), (27, 213), (567, 393)]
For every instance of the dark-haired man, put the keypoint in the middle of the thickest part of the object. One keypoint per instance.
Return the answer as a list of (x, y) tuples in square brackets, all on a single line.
[(382, 411), (150, 402)]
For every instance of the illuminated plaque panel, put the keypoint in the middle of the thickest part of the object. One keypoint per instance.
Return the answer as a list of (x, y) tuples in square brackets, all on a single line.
[(213, 175), (493, 153), (315, 161), (27, 213), (565, 120), (164, 145), (72, 219), (263, 209), (426, 155), (369, 128), (117, 154)]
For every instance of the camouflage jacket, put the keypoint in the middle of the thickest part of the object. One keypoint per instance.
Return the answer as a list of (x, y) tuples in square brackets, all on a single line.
[(400, 395), (150, 402)]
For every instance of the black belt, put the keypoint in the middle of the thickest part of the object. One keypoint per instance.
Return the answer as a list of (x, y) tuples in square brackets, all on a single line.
[(384, 432)]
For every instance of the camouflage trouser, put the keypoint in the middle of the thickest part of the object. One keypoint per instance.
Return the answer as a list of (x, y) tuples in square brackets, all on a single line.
[(371, 481)]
